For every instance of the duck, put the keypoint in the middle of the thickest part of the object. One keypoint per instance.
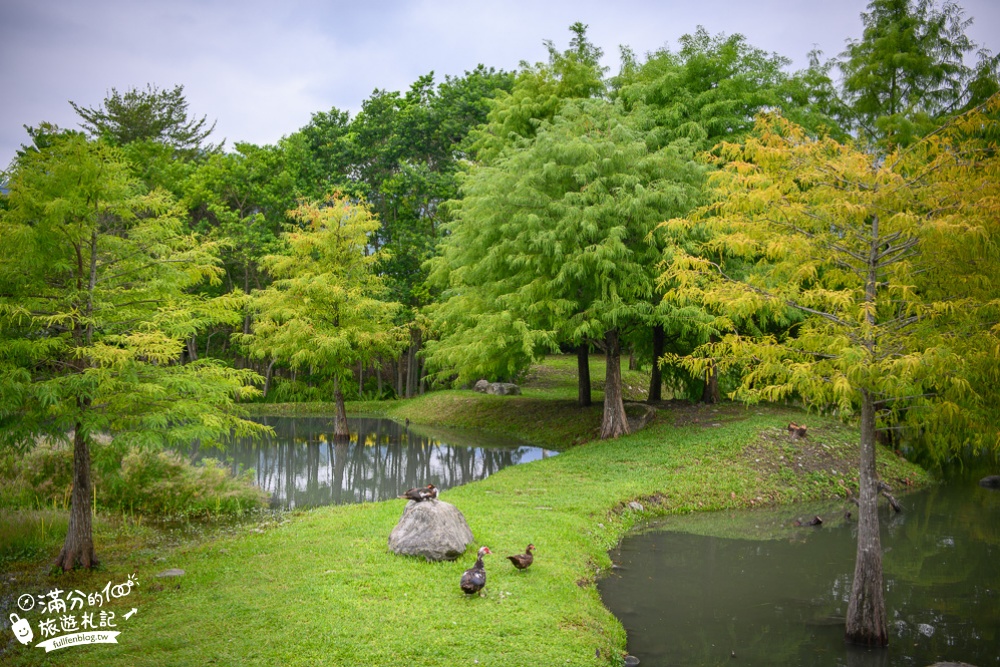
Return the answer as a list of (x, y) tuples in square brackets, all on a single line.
[(474, 579), (417, 494), (797, 430), (523, 561)]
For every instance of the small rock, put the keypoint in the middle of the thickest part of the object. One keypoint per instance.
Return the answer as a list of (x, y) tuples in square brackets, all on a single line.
[(172, 572), (481, 386), (631, 661), (990, 482), (503, 389), (636, 506)]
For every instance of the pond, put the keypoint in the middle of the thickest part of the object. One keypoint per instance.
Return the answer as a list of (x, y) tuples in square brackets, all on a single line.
[(751, 588), (303, 466)]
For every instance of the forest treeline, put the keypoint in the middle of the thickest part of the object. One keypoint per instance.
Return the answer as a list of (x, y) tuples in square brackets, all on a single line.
[(827, 235)]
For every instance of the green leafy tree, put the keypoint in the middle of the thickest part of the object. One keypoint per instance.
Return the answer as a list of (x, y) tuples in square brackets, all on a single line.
[(95, 302), (159, 116), (711, 89), (240, 200), (325, 310), (851, 241), (401, 154), (161, 142), (552, 244), (909, 70), (708, 90), (538, 94), (326, 163)]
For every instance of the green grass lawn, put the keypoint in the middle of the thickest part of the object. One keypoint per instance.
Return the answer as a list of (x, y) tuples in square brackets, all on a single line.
[(322, 588)]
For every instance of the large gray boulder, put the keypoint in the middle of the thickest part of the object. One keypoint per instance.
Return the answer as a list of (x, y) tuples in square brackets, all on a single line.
[(433, 529), (503, 389), (482, 386)]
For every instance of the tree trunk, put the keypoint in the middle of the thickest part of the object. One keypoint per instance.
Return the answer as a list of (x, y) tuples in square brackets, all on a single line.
[(267, 377), (412, 367), (378, 377), (633, 365), (710, 394), (614, 422), (399, 377), (583, 375), (422, 384), (241, 360), (866, 617), (340, 430), (78, 550), (208, 342), (361, 380), (655, 377), (192, 346)]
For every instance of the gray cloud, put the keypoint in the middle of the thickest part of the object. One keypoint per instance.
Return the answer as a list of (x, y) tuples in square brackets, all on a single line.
[(261, 68)]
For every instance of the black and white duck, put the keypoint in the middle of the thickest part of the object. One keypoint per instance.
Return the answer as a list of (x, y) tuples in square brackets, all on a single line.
[(474, 579)]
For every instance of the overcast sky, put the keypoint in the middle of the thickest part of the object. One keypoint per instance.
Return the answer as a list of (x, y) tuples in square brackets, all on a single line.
[(260, 69)]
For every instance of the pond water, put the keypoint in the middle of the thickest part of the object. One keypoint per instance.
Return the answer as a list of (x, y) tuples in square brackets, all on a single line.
[(303, 466), (750, 588)]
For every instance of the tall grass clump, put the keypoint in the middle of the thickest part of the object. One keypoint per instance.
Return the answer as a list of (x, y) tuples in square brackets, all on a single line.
[(156, 484)]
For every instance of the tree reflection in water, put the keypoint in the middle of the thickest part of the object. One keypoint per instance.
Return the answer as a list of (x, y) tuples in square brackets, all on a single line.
[(304, 466)]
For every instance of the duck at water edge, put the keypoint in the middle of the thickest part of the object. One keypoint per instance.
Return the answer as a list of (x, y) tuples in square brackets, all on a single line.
[(474, 579)]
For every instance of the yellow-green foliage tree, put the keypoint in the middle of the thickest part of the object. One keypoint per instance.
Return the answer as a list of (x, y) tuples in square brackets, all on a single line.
[(96, 302), (874, 251), (325, 309)]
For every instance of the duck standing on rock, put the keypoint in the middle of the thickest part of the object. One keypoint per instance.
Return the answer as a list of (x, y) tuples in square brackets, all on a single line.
[(522, 561), (474, 579), (418, 494)]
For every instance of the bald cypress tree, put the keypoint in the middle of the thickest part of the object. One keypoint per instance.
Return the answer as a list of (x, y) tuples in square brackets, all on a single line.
[(910, 69), (552, 242), (95, 306), (859, 245)]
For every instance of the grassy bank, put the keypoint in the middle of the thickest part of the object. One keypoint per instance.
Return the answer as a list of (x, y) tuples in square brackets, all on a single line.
[(546, 414), (323, 589)]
